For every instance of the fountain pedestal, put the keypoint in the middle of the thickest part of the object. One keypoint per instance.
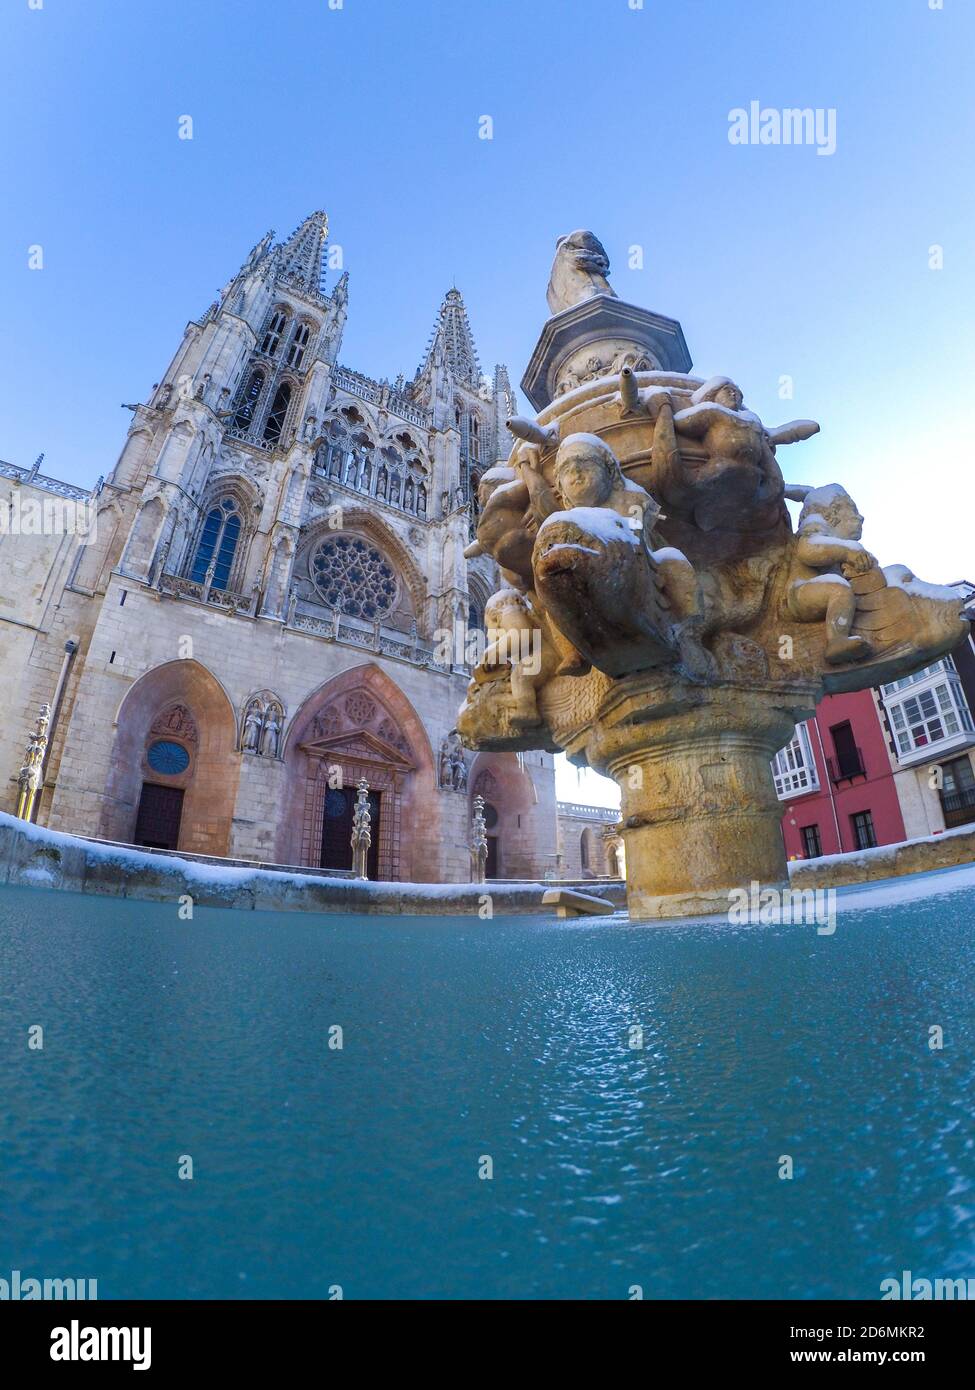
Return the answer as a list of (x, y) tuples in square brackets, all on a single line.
[(700, 815)]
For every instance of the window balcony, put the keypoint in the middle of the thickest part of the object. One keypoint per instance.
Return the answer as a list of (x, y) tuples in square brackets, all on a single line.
[(936, 749), (848, 768), (794, 768)]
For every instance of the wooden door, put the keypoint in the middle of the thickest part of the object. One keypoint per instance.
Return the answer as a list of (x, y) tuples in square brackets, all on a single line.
[(337, 830), (160, 812)]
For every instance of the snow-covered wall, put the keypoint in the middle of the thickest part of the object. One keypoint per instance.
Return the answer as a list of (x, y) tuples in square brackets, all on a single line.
[(943, 851), (34, 857)]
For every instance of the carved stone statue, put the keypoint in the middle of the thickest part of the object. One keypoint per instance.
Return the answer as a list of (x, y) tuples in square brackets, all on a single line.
[(251, 733), (446, 777), (271, 732), (588, 563), (514, 653), (684, 627), (458, 768), (827, 560), (578, 271)]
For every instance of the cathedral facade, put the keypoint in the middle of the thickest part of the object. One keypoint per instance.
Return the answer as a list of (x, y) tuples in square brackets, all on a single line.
[(257, 621)]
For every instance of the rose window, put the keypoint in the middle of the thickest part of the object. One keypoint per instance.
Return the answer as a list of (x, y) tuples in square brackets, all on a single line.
[(354, 577)]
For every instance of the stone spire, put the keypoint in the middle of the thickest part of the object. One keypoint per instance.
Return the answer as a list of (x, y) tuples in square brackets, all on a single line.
[(258, 253), (452, 334), (300, 258), (505, 406)]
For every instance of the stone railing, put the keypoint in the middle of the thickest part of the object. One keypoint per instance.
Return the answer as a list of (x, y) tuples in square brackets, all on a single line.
[(177, 587), (399, 646), (345, 379), (232, 432), (577, 810), (41, 480)]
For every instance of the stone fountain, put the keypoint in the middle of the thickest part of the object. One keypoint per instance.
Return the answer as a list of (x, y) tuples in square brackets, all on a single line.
[(661, 621)]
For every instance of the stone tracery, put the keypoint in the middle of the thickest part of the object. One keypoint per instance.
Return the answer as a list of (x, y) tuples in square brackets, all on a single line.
[(354, 577)]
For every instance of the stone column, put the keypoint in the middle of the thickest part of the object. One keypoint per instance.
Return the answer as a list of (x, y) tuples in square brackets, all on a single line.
[(699, 802)]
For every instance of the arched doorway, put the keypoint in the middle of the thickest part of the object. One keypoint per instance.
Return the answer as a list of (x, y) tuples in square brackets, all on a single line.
[(360, 725), (509, 803), (173, 773)]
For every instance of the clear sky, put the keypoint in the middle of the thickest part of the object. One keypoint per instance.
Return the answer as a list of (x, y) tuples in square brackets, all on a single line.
[(778, 261)]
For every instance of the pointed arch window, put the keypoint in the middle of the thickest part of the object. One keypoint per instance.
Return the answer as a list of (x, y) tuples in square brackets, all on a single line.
[(272, 335), (248, 401), (217, 545), (276, 415), (475, 439), (296, 352)]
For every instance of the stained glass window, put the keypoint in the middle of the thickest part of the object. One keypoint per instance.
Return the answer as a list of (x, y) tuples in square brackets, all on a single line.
[(354, 577), (218, 543), (168, 758)]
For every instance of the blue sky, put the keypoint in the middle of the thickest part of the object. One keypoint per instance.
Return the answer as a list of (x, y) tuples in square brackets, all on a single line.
[(778, 261)]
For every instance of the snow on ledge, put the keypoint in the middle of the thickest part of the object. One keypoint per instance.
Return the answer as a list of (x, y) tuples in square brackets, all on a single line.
[(880, 852), (224, 877)]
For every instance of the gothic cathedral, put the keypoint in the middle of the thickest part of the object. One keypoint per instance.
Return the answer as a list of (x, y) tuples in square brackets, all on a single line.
[(254, 625)]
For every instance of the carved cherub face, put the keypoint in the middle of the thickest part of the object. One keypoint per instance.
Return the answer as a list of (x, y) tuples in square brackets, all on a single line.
[(831, 511), (721, 390), (730, 396), (584, 471), (847, 521), (505, 609), (491, 481)]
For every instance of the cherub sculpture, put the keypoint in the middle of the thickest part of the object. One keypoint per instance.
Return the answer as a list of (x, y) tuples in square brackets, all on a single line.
[(740, 473), (504, 529), (515, 652), (827, 555), (588, 482)]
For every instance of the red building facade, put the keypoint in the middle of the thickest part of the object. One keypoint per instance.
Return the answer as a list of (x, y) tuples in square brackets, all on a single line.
[(836, 781)]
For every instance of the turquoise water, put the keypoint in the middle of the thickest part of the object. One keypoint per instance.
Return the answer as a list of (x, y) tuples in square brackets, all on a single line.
[(612, 1166)]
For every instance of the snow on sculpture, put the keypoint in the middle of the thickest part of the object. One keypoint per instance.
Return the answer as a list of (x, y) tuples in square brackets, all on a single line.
[(682, 627)]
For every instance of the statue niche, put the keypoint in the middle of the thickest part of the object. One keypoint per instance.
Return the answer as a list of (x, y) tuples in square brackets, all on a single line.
[(261, 725)]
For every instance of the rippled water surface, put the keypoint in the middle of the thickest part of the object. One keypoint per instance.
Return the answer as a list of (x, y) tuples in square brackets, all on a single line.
[(613, 1166)]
